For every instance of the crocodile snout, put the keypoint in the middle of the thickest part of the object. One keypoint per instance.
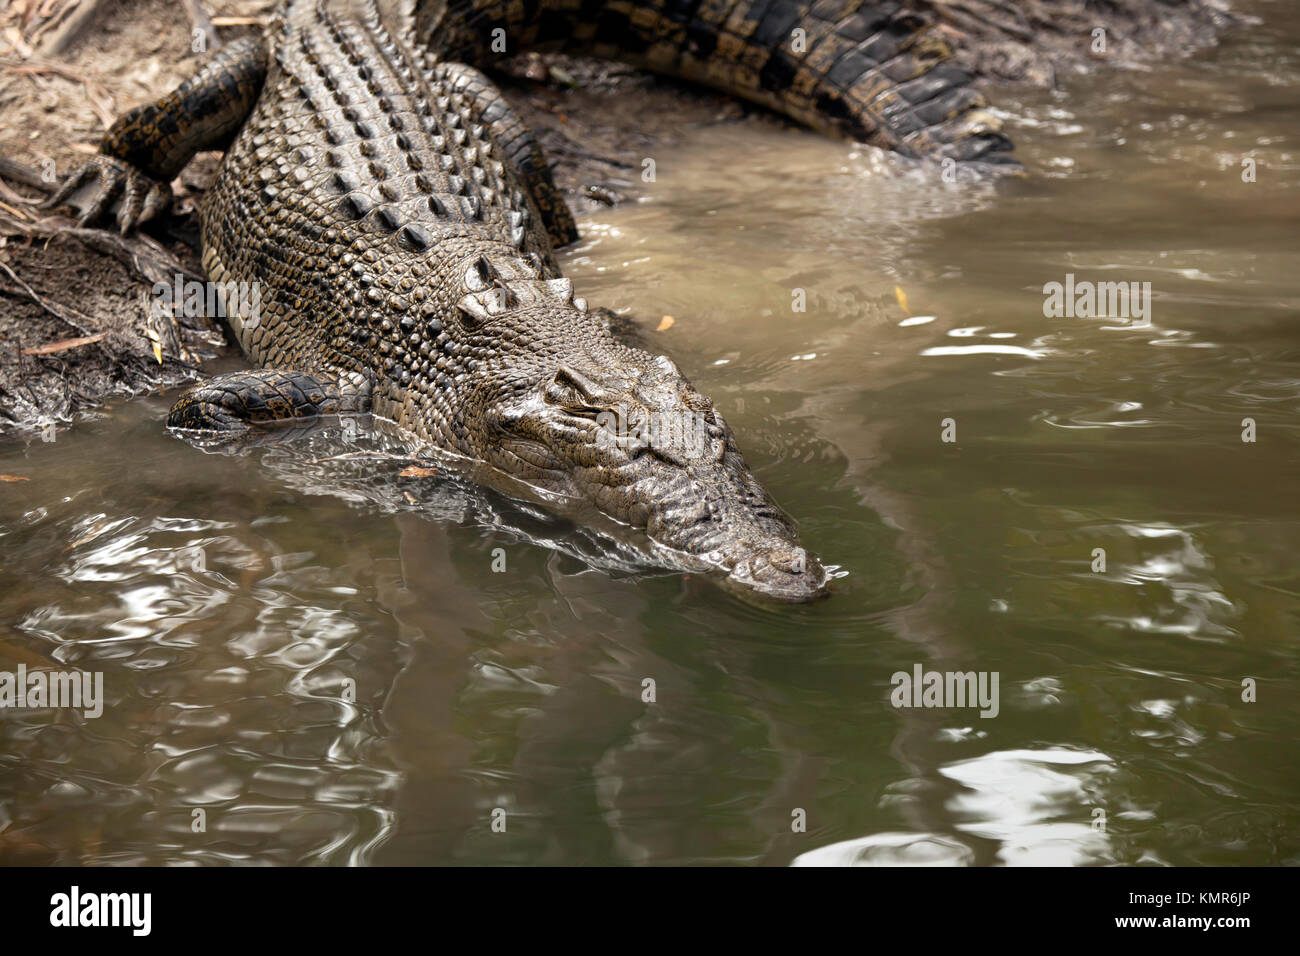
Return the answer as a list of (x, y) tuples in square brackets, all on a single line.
[(786, 574)]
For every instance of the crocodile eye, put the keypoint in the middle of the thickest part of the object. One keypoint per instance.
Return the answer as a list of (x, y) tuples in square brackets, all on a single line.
[(574, 392)]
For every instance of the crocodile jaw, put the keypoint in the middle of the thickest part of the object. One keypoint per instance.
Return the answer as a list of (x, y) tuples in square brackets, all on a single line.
[(626, 432)]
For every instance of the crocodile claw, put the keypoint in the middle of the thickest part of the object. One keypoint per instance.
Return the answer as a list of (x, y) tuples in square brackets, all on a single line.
[(116, 184)]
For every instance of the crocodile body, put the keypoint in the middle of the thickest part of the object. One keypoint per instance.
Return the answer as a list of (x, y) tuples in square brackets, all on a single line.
[(400, 222)]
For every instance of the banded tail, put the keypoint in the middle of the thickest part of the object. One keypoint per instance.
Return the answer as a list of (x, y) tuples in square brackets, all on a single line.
[(872, 71)]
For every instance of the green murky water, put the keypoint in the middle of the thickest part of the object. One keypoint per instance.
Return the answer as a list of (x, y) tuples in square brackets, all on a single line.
[(1121, 733)]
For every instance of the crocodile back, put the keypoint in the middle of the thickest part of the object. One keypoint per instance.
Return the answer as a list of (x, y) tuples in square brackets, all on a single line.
[(353, 198)]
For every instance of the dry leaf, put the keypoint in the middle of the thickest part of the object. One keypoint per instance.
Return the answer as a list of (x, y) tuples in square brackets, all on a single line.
[(415, 471), (13, 478), (62, 345), (901, 296), (665, 323)]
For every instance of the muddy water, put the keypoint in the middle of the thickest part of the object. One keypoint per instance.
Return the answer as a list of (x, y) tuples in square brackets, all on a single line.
[(309, 659)]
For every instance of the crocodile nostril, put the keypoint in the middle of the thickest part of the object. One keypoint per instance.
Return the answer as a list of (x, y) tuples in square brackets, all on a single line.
[(794, 561), (773, 564), (785, 573)]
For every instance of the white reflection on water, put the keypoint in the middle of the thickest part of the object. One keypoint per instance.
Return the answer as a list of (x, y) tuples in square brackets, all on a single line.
[(1037, 804), (890, 849), (1179, 592)]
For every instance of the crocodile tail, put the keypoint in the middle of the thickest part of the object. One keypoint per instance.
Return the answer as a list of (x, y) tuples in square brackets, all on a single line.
[(874, 71)]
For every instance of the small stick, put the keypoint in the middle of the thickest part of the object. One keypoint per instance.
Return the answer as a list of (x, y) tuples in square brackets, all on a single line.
[(79, 16), (25, 175)]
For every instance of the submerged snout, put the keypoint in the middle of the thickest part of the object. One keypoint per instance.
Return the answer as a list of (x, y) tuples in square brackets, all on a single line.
[(629, 434), (783, 574)]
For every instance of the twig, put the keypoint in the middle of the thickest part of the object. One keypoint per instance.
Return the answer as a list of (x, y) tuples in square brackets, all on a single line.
[(101, 101), (140, 253), (18, 173), (35, 297), (15, 37), (77, 19), (239, 21), (63, 345), (10, 194)]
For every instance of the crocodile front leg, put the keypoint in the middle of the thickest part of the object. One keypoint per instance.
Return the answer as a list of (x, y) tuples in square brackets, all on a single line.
[(147, 147), (238, 401)]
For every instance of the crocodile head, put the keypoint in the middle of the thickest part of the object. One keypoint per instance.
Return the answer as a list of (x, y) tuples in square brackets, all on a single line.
[(570, 409)]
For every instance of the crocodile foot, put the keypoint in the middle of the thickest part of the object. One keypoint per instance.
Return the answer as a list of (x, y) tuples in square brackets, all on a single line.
[(115, 185), (237, 401)]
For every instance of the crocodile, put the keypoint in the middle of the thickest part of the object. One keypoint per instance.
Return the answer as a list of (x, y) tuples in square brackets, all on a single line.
[(400, 223)]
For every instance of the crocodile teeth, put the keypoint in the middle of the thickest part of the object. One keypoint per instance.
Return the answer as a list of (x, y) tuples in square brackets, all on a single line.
[(580, 304)]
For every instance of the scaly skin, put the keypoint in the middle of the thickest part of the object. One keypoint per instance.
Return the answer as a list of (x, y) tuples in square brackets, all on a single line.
[(399, 221), (404, 269), (869, 71)]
